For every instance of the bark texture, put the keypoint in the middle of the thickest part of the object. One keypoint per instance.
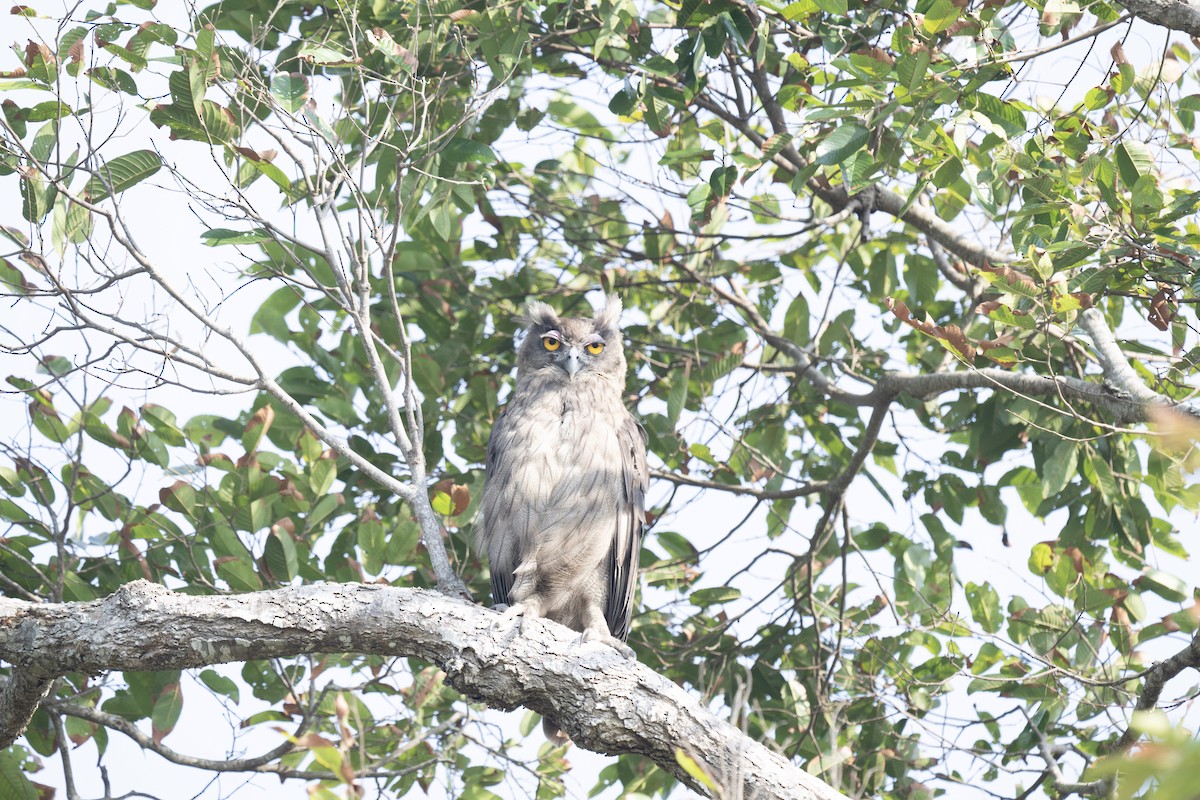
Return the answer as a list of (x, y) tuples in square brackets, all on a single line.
[(1179, 15), (605, 703)]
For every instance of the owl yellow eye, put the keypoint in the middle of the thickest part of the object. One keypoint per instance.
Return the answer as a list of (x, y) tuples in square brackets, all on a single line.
[(551, 343), (596, 348)]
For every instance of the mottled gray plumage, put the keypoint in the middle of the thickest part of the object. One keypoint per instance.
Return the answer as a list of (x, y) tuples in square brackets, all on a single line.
[(564, 501)]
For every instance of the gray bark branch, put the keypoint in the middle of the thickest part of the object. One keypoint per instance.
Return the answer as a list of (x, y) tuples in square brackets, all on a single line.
[(605, 703), (1178, 15)]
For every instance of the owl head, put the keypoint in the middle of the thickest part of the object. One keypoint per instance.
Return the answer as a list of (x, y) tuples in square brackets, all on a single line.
[(573, 348)]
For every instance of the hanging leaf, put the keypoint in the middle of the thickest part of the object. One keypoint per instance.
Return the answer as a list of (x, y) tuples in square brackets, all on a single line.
[(841, 143), (121, 173), (290, 91)]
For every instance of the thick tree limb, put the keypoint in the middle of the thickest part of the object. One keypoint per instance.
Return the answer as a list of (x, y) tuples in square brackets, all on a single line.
[(19, 698), (1179, 15), (1116, 367), (604, 702), (1155, 681)]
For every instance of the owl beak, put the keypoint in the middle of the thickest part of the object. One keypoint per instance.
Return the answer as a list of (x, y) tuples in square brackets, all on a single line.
[(573, 361)]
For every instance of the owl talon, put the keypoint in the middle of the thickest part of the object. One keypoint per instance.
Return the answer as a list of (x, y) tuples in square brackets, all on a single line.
[(508, 612), (593, 635)]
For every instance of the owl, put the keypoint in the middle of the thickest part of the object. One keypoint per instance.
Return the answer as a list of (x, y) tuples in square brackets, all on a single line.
[(564, 499)]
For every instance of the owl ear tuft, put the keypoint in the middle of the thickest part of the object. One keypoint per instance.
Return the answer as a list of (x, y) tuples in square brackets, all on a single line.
[(609, 317), (538, 314)]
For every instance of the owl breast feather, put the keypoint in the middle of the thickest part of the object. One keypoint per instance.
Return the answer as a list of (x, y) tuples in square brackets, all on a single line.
[(561, 479)]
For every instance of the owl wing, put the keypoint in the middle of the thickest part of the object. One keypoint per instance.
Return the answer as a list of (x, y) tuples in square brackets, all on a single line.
[(631, 520), (501, 544)]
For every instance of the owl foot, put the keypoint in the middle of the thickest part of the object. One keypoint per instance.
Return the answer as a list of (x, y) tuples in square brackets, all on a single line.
[(516, 610), (593, 635)]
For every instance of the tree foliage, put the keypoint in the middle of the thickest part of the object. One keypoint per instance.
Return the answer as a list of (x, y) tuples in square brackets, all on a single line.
[(910, 289)]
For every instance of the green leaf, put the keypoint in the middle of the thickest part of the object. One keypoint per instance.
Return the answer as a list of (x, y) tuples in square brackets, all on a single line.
[(676, 400), (222, 236), (13, 783), (1100, 475), (1005, 114), (1165, 585), (703, 598), (1124, 79), (838, 8), (372, 538), (37, 198), (940, 16), (1041, 559), (220, 684), (468, 151), (985, 606), (216, 124), (238, 572), (842, 143), (179, 497), (44, 142), (121, 173), (271, 317), (1133, 161), (1146, 197), (796, 322), (290, 91), (677, 546), (199, 71), (692, 767), (1095, 99), (1059, 467), (911, 68), (624, 101), (442, 503), (167, 709), (280, 556), (12, 280), (323, 56)]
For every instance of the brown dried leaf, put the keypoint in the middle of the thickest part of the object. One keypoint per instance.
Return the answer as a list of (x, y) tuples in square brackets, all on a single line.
[(952, 335), (34, 49), (461, 497), (209, 459), (262, 418), (1162, 309), (1011, 275), (266, 156), (342, 710), (879, 54), (311, 740)]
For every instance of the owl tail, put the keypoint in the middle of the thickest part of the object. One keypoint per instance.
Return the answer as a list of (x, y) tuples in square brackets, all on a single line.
[(554, 734)]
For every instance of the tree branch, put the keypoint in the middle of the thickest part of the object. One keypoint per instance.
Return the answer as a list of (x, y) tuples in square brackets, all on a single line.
[(604, 702), (1179, 15), (20, 696), (1156, 680)]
